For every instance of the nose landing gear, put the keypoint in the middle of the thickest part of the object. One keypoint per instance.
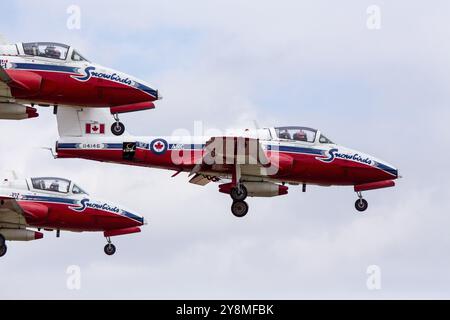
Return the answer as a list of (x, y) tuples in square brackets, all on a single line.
[(117, 128), (361, 204), (110, 249)]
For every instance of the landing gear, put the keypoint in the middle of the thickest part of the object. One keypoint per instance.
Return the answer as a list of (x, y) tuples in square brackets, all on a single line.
[(238, 193), (361, 204), (117, 128), (3, 250), (3, 247), (239, 208), (110, 249)]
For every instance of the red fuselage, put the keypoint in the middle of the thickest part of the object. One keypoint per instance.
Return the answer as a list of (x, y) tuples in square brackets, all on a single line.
[(61, 88), (64, 214), (301, 165)]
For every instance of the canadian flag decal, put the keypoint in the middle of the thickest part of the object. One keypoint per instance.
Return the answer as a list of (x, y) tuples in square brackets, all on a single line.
[(95, 128)]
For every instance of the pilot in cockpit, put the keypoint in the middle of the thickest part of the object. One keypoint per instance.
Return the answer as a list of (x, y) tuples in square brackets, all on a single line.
[(300, 136), (41, 184), (54, 186), (284, 134), (52, 52)]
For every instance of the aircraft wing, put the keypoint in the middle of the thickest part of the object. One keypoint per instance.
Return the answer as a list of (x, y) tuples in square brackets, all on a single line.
[(10, 212), (234, 150), (221, 155)]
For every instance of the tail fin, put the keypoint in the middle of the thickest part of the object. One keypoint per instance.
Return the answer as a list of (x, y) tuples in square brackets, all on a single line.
[(80, 122)]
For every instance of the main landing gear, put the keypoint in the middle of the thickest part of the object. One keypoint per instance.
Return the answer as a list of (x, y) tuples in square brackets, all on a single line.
[(361, 204), (117, 128), (238, 193), (239, 208), (110, 249), (3, 247)]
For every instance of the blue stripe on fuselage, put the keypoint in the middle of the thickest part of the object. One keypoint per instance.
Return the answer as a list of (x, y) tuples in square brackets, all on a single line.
[(192, 146), (67, 145), (48, 199), (293, 149), (75, 146), (44, 67)]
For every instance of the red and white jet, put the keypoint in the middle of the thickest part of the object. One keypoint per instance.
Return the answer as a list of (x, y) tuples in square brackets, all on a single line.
[(54, 74), (259, 163), (31, 204)]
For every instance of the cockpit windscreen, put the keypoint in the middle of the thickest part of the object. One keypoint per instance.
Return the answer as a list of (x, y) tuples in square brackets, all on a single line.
[(46, 50)]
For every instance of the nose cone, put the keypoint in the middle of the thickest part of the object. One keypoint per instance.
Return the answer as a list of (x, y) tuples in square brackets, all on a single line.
[(141, 90), (152, 93), (389, 171), (364, 168), (387, 168), (139, 221)]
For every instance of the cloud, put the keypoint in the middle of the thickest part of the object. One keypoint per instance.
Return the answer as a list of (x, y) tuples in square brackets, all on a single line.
[(228, 63)]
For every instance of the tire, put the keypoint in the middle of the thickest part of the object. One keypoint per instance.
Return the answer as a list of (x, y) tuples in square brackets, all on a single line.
[(361, 205), (239, 208), (3, 250), (117, 128), (110, 249), (2, 240), (238, 194)]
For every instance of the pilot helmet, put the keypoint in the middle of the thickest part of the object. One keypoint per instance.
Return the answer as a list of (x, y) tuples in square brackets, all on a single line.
[(300, 135)]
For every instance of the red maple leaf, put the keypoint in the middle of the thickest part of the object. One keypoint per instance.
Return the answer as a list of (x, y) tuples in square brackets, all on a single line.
[(159, 145)]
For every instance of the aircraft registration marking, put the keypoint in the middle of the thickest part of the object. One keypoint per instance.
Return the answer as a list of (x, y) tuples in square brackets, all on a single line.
[(97, 146)]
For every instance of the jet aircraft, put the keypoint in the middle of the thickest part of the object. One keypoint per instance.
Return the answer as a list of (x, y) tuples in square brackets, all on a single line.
[(58, 75), (29, 205), (255, 163)]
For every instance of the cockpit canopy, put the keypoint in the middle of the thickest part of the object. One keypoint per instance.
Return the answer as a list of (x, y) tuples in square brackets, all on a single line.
[(53, 184), (51, 50), (301, 134)]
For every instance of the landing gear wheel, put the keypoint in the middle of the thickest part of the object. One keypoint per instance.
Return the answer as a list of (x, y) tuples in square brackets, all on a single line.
[(110, 249), (117, 128), (361, 205), (239, 208), (3, 250), (238, 193), (2, 240)]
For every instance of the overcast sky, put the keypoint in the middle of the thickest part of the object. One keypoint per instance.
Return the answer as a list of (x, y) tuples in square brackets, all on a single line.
[(228, 63)]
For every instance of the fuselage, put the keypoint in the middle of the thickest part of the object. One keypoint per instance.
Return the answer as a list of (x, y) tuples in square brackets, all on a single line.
[(56, 74), (310, 162), (55, 203)]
